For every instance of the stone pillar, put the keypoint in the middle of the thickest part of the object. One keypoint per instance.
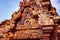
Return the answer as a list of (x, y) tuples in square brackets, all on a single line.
[(54, 36)]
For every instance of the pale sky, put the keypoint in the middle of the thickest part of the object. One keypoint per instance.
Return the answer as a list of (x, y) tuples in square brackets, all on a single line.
[(8, 7), (56, 4)]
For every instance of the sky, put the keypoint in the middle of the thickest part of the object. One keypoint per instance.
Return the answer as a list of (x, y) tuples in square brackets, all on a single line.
[(56, 4), (8, 7)]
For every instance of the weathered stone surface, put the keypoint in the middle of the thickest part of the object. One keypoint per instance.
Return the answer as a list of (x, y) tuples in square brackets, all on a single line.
[(7, 25), (24, 34), (35, 19), (46, 22), (28, 24)]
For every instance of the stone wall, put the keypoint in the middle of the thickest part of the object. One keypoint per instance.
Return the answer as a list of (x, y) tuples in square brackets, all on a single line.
[(35, 20)]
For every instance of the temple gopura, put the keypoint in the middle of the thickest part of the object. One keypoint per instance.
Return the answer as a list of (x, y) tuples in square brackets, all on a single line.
[(35, 20)]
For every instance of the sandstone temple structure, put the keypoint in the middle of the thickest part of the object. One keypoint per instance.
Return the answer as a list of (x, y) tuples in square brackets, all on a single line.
[(35, 20)]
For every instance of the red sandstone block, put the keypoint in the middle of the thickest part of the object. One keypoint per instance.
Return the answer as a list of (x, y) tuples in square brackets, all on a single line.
[(46, 22), (29, 25), (48, 28), (23, 34), (45, 38), (46, 35)]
